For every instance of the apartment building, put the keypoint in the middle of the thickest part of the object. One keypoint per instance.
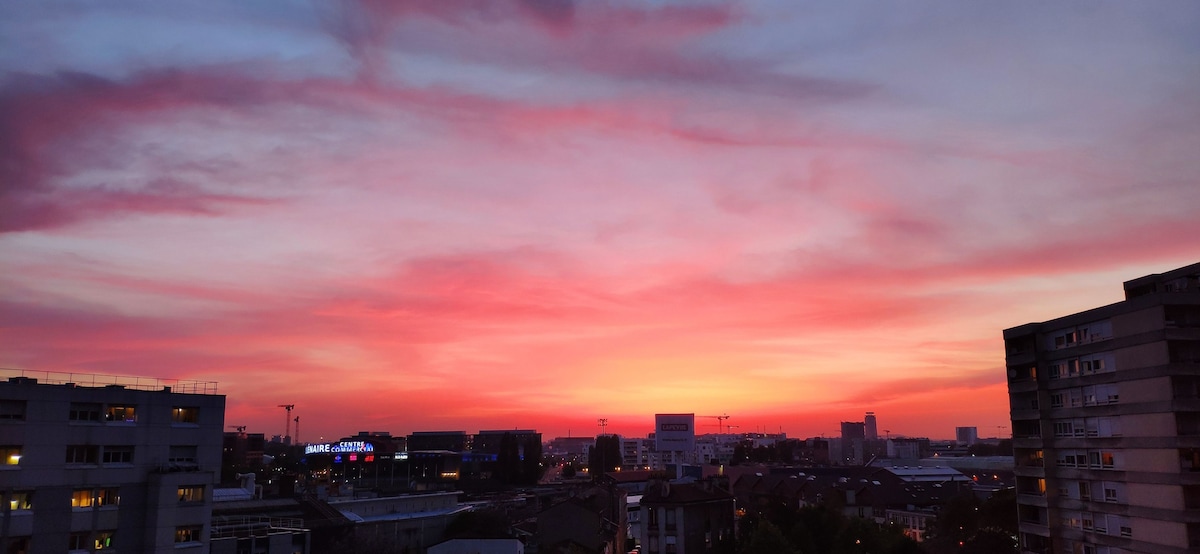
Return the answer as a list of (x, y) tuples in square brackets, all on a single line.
[(687, 518), (1105, 410), (97, 463)]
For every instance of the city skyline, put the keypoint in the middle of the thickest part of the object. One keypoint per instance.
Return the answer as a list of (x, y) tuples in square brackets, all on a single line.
[(524, 214)]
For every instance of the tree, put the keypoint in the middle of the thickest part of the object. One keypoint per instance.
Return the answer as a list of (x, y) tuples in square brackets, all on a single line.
[(739, 455), (767, 539), (508, 461), (568, 470), (531, 462), (605, 456), (999, 511), (991, 541)]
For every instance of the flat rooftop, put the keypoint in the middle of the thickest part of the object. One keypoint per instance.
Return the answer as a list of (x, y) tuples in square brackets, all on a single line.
[(98, 380)]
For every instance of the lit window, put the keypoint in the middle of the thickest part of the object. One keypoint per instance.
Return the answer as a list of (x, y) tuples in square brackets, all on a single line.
[(82, 498), (104, 540), (83, 454), (117, 413), (87, 498), (86, 542), (191, 493), (21, 500), (188, 533), (10, 455), (184, 414), (107, 497)]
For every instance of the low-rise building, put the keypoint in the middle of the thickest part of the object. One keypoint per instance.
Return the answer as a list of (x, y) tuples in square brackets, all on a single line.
[(687, 517)]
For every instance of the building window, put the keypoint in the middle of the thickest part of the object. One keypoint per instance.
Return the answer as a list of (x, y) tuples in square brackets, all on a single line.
[(104, 540), (84, 411), (191, 493), (188, 533), (121, 413), (1085, 490), (12, 410), (87, 498), (182, 455), (78, 541), (83, 454), (107, 497), (10, 455), (118, 455), (82, 498), (21, 500), (185, 414), (1112, 492), (18, 545)]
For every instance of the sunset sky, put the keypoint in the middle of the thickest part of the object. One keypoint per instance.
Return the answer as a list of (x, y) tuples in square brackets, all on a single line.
[(489, 214)]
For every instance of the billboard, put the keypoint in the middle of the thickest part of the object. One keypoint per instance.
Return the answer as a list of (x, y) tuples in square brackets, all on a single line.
[(343, 447), (675, 432)]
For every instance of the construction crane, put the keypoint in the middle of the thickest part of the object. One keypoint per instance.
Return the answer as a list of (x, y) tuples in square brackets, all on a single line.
[(287, 422), (240, 428), (297, 420), (720, 421)]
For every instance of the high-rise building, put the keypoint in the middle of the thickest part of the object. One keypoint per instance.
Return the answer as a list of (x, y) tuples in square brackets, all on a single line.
[(94, 462), (966, 436), (854, 434), (871, 428), (1106, 422)]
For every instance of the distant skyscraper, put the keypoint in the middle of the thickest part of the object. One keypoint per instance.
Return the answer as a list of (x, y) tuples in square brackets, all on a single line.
[(966, 435), (853, 430), (872, 430), (853, 434), (1106, 422)]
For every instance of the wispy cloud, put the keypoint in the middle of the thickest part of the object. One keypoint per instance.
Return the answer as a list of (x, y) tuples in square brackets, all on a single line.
[(534, 207)]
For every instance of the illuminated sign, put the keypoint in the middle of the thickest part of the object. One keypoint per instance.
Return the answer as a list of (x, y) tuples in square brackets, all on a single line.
[(675, 427), (343, 447)]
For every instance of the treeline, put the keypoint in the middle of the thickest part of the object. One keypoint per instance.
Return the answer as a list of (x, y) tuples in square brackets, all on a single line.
[(819, 530), (964, 525), (519, 462)]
